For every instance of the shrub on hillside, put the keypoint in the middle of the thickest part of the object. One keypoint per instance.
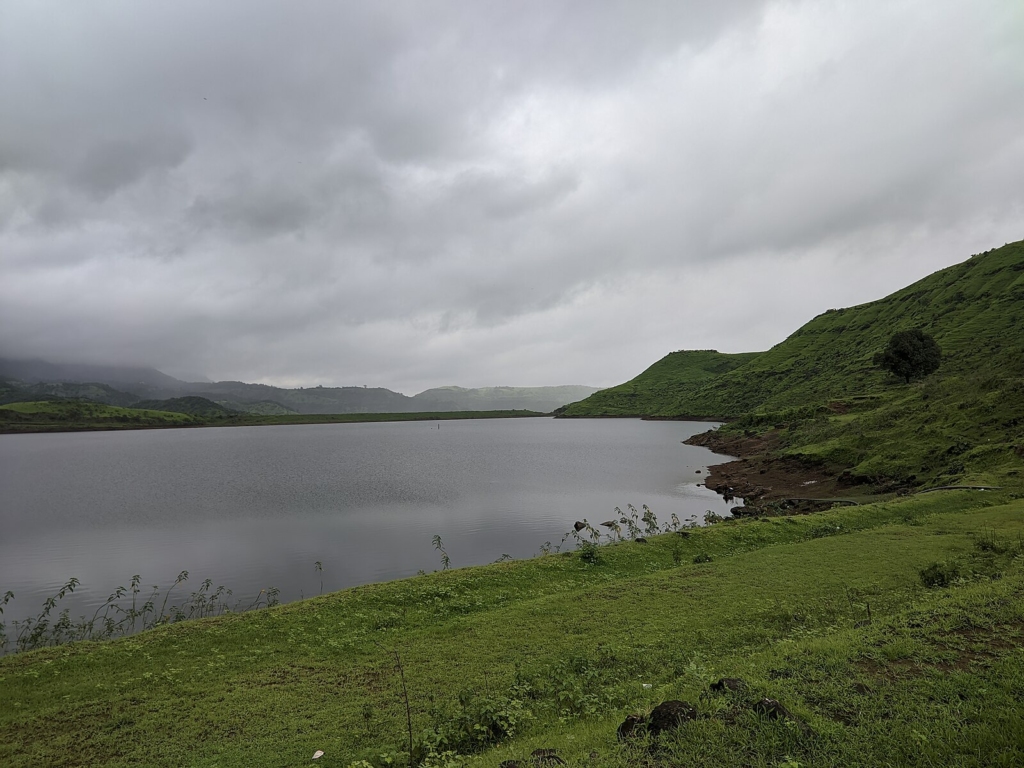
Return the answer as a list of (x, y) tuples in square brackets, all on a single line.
[(939, 574), (910, 355)]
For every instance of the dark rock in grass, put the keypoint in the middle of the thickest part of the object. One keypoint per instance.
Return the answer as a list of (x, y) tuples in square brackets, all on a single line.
[(773, 710), (578, 526), (632, 726), (730, 684), (543, 757), (640, 540), (669, 715)]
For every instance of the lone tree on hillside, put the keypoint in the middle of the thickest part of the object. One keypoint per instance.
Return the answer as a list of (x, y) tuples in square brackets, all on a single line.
[(910, 354)]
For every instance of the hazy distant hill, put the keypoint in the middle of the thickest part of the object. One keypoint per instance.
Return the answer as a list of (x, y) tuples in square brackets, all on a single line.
[(132, 379), (191, 405), (97, 393), (261, 407), (34, 379), (306, 400), (543, 399)]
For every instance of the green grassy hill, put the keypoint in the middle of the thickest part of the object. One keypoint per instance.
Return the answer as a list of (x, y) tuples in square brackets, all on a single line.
[(975, 310), (667, 381), (19, 392), (57, 415), (826, 401), (962, 424)]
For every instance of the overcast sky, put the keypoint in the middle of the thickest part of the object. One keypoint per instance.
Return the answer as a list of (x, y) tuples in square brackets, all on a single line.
[(411, 194)]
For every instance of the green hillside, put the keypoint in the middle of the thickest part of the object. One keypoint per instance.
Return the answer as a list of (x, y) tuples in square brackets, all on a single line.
[(667, 381), (191, 405), (975, 310), (59, 415), (261, 407), (820, 393), (19, 392), (823, 400)]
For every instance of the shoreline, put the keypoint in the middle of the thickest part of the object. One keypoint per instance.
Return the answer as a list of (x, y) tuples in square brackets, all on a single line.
[(274, 421), (768, 483)]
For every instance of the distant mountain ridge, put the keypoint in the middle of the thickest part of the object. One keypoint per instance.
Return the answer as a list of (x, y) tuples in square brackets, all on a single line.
[(126, 386)]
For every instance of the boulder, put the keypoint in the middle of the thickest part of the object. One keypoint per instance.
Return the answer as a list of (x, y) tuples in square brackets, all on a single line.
[(669, 715)]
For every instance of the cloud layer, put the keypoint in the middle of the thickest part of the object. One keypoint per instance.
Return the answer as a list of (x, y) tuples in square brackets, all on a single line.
[(413, 194)]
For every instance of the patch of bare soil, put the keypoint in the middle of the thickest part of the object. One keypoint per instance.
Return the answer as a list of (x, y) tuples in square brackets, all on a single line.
[(769, 483)]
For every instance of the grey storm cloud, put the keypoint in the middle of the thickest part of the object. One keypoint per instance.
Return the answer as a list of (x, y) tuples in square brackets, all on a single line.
[(419, 193)]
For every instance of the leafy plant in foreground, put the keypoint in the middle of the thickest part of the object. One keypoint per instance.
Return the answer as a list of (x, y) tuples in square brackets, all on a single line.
[(115, 619), (446, 562)]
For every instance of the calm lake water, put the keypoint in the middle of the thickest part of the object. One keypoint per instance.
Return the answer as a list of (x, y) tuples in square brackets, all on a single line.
[(252, 507)]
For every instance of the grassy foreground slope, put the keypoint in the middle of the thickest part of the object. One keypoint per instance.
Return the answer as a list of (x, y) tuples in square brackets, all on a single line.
[(555, 651), (667, 381)]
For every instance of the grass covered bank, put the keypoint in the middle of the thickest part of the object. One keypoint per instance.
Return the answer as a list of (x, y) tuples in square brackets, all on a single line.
[(554, 652)]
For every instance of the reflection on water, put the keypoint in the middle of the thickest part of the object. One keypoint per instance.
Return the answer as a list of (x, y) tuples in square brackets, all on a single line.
[(251, 507)]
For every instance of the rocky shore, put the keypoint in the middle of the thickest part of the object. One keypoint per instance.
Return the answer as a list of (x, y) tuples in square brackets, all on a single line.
[(767, 482)]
